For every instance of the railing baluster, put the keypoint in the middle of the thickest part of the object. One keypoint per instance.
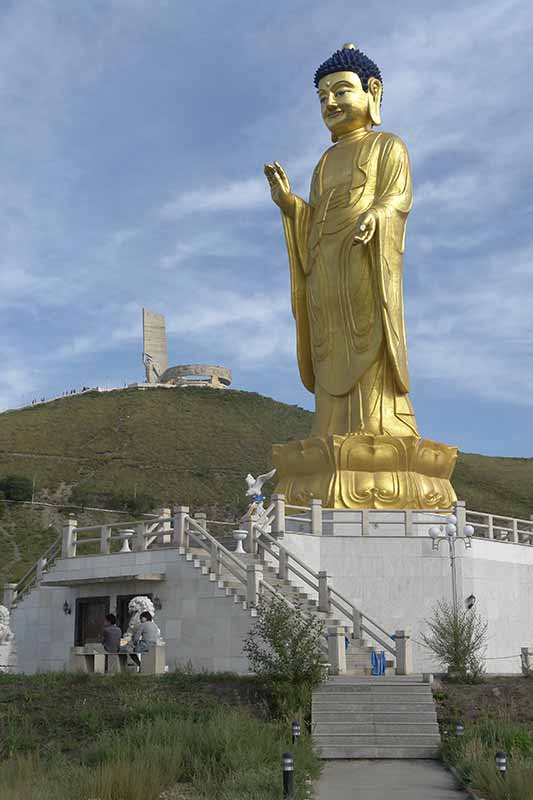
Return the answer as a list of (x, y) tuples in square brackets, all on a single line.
[(254, 577), (283, 564), (324, 603), (180, 537), (105, 540), (68, 549), (278, 522), (316, 517)]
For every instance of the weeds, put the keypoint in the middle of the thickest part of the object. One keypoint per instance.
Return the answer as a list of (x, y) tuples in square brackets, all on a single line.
[(473, 755), (114, 738)]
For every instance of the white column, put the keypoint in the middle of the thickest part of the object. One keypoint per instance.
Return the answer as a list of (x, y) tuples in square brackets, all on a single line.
[(214, 561), (283, 564), (180, 535), (105, 539), (404, 652), (140, 542), (337, 650), (514, 531), (164, 533), (365, 522), (316, 517), (460, 513), (409, 527), (357, 622), (68, 548), (10, 594), (323, 592), (254, 576), (201, 518), (251, 543), (278, 522)]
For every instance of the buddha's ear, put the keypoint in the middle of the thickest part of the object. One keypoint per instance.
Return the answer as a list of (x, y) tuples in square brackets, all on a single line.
[(375, 90)]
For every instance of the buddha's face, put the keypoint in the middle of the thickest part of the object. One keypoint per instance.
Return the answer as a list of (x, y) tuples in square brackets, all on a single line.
[(344, 103)]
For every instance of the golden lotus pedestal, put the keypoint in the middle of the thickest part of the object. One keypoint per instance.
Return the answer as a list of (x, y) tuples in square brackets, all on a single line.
[(364, 471)]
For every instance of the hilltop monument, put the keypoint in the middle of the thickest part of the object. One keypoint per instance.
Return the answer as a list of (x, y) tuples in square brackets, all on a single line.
[(345, 248), (155, 360)]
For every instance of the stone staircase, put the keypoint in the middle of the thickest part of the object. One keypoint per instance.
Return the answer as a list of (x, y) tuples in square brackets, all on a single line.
[(381, 717), (358, 655)]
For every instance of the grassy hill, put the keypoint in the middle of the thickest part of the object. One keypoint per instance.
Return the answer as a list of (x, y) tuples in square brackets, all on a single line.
[(191, 445)]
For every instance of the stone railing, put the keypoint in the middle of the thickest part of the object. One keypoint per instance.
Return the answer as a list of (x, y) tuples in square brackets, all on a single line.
[(501, 529), (318, 521)]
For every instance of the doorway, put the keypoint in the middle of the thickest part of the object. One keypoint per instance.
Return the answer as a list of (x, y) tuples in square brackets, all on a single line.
[(90, 618)]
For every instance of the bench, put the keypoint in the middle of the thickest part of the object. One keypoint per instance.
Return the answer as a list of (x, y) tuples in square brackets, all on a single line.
[(94, 659)]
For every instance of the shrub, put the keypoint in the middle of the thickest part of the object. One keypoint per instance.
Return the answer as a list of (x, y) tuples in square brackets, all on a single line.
[(458, 639), (16, 487), (284, 649)]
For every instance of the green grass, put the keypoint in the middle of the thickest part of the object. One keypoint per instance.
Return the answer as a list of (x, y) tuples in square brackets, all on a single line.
[(68, 737), (473, 755), (192, 446)]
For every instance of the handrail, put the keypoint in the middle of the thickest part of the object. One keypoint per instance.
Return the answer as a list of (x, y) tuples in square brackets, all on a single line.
[(281, 547), (46, 554), (214, 541), (333, 593), (499, 516)]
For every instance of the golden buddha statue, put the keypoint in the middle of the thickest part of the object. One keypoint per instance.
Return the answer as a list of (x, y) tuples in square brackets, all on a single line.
[(345, 250)]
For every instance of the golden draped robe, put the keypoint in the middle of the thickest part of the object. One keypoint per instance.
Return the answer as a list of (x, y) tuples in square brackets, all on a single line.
[(347, 298)]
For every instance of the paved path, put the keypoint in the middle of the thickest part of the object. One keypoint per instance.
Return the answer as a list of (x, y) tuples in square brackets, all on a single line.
[(387, 780)]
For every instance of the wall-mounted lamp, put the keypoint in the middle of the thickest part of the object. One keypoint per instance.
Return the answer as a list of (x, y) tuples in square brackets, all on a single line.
[(66, 607), (158, 605)]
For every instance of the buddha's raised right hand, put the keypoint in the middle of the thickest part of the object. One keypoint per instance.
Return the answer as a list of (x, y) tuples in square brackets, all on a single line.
[(280, 188)]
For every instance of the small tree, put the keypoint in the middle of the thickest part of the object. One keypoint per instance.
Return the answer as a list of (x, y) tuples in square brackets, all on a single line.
[(284, 648), (16, 487), (458, 639)]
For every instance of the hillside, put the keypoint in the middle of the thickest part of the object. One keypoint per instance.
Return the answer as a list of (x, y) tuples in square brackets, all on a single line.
[(192, 446)]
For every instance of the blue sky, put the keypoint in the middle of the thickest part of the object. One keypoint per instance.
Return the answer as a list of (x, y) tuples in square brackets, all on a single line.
[(133, 139)]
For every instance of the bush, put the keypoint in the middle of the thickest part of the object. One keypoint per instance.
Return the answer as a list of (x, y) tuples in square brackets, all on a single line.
[(458, 639), (16, 487), (284, 649)]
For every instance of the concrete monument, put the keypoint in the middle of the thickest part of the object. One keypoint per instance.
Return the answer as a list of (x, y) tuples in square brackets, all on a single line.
[(155, 360), (155, 355)]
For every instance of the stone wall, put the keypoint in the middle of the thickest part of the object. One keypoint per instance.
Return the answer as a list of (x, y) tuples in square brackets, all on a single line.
[(397, 581), (198, 622)]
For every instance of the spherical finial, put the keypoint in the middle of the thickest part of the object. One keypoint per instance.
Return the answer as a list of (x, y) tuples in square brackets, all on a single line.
[(349, 46)]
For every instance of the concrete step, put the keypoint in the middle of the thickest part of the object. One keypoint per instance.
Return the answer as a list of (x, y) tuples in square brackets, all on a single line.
[(379, 739), (392, 717), (381, 695), (358, 727), (369, 708), (382, 752)]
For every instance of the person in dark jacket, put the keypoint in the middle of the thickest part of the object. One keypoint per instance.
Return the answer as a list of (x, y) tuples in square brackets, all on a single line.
[(111, 634)]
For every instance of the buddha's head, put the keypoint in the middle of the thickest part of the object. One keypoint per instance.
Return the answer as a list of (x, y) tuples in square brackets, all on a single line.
[(349, 88)]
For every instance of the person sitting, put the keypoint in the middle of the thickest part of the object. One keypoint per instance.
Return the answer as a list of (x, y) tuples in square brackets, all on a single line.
[(146, 636), (111, 634)]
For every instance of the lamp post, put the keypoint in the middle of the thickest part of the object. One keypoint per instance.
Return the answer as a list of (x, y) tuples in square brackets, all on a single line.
[(451, 534)]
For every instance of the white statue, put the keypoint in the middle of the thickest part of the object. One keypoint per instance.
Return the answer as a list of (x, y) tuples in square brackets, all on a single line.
[(256, 510), (8, 656), (6, 634), (136, 607)]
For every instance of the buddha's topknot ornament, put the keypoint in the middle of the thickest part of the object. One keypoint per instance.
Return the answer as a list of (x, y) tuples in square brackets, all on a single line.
[(350, 59)]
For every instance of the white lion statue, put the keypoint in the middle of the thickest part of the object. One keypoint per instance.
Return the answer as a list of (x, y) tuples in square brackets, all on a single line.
[(136, 606), (6, 634)]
